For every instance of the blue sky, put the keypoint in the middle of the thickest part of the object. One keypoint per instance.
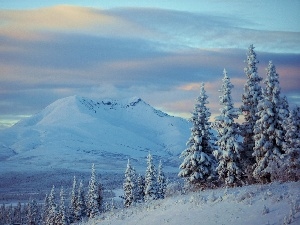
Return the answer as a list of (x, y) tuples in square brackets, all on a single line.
[(158, 50)]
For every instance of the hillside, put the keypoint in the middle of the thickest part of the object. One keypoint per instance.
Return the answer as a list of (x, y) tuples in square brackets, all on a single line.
[(274, 204), (74, 132)]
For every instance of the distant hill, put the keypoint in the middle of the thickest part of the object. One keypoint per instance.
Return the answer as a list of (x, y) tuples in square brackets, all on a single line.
[(74, 132)]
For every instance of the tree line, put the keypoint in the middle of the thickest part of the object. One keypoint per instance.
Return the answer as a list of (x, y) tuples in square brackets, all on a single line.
[(264, 148), (87, 204)]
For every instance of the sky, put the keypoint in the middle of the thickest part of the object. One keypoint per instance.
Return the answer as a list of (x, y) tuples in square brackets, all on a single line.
[(160, 51)]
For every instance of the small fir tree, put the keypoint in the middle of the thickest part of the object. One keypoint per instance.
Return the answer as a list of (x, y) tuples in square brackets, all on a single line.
[(2, 214), (269, 132), (250, 98), (140, 188), (150, 180), (18, 213), (199, 164), (130, 185), (80, 210), (228, 154), (61, 218), (73, 202), (161, 181), (46, 210), (9, 214), (52, 208), (93, 206), (32, 213)]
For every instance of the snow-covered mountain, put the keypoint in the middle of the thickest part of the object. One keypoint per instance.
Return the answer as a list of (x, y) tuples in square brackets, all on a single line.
[(74, 132)]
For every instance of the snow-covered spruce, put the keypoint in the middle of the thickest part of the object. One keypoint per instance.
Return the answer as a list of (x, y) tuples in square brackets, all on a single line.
[(140, 188), (80, 210), (73, 202), (269, 132), (250, 98), (292, 145), (61, 218), (33, 214), (52, 208), (228, 154), (198, 165), (161, 182), (94, 196), (130, 185), (150, 180)]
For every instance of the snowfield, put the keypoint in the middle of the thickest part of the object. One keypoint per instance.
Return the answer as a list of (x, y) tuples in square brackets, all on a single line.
[(276, 203)]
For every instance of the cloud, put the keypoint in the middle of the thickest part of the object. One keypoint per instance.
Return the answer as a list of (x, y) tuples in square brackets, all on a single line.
[(159, 55), (37, 24)]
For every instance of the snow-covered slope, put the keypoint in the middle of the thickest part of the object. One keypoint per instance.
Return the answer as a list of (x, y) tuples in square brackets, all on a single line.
[(257, 204), (74, 132)]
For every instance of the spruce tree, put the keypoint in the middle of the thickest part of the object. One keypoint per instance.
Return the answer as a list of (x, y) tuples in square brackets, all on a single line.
[(130, 185), (140, 188), (93, 206), (61, 218), (199, 164), (52, 208), (73, 202), (2, 214), (17, 214), (228, 154), (250, 98), (46, 210), (292, 145), (161, 181), (150, 180), (80, 210), (9, 214), (32, 213), (269, 132)]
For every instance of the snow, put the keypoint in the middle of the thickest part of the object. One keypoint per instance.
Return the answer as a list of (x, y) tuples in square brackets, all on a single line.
[(248, 205)]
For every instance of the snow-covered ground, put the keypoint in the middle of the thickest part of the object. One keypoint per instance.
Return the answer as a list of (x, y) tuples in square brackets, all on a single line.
[(275, 203)]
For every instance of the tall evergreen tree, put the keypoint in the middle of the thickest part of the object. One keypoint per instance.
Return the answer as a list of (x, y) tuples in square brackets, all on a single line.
[(32, 213), (199, 164), (250, 98), (9, 214), (161, 181), (73, 202), (80, 210), (61, 218), (130, 186), (2, 214), (292, 145), (17, 214), (269, 133), (228, 154), (52, 208), (46, 210), (93, 204), (150, 180), (140, 188)]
